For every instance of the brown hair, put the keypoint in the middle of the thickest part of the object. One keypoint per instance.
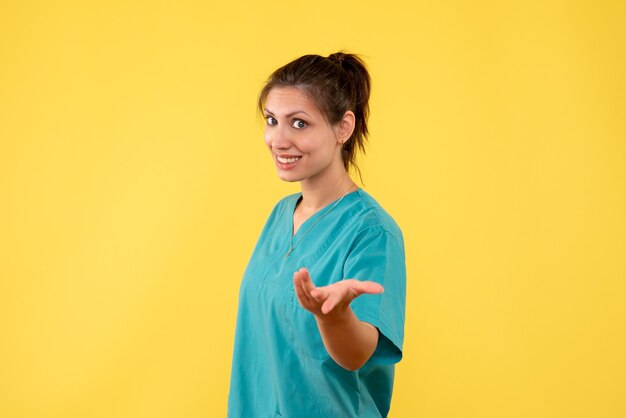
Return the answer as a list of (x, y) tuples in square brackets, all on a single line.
[(337, 83)]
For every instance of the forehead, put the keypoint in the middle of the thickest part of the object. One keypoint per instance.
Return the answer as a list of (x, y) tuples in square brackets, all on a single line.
[(284, 100)]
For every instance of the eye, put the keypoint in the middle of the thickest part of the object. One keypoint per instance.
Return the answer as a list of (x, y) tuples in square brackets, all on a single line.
[(271, 121), (299, 124)]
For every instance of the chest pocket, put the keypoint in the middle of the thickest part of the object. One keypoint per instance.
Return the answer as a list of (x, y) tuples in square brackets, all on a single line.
[(302, 330)]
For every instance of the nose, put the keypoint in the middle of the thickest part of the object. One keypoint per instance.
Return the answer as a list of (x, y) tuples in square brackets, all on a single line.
[(277, 137)]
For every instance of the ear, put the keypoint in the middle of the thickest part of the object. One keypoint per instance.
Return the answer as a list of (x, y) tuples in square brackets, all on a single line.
[(345, 127)]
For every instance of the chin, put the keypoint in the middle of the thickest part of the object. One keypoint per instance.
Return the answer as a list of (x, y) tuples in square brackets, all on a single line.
[(289, 178)]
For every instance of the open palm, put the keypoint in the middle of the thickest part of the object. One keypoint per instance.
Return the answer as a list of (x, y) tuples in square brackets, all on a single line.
[(332, 300)]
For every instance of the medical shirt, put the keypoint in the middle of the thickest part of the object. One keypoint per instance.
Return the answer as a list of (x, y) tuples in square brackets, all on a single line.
[(280, 366)]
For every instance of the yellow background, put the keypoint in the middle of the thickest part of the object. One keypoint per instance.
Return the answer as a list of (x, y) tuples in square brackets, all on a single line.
[(134, 182)]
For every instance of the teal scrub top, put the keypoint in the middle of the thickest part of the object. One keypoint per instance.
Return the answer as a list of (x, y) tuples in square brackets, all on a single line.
[(280, 366)]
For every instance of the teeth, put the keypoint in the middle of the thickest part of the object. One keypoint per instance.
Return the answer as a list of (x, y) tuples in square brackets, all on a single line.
[(288, 160)]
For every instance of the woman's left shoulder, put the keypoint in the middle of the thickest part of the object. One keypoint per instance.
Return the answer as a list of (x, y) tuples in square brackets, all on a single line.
[(373, 216)]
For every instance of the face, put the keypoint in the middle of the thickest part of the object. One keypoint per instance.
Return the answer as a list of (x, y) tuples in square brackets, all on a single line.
[(303, 145)]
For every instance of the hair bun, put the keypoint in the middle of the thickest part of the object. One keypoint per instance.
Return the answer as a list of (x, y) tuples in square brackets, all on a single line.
[(337, 57)]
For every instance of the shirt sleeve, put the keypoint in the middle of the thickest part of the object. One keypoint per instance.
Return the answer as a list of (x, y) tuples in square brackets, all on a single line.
[(378, 255)]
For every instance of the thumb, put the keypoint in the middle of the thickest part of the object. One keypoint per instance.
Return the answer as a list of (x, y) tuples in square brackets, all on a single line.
[(366, 287)]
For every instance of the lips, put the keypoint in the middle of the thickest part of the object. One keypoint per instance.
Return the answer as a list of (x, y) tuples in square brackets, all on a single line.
[(288, 160)]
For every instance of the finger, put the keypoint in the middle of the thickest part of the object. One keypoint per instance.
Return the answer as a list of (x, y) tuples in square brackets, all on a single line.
[(331, 302), (320, 294), (307, 282), (302, 277), (303, 297), (297, 286)]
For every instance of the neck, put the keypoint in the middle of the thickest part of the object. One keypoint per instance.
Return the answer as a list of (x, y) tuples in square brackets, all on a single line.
[(319, 192)]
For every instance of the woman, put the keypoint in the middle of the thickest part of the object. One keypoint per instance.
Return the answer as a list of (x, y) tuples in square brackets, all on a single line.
[(316, 336)]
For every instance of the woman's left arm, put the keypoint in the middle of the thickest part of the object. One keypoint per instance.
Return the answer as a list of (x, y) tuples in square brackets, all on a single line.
[(348, 340)]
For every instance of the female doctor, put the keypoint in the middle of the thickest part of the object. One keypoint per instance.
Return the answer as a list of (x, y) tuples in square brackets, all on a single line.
[(320, 323)]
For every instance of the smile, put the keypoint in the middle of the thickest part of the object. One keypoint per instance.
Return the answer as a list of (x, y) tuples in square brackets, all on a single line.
[(287, 160)]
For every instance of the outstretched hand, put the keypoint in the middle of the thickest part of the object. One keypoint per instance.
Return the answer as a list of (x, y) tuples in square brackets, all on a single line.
[(332, 300)]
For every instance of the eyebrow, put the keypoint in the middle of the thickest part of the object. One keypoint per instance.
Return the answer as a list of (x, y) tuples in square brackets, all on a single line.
[(289, 114)]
